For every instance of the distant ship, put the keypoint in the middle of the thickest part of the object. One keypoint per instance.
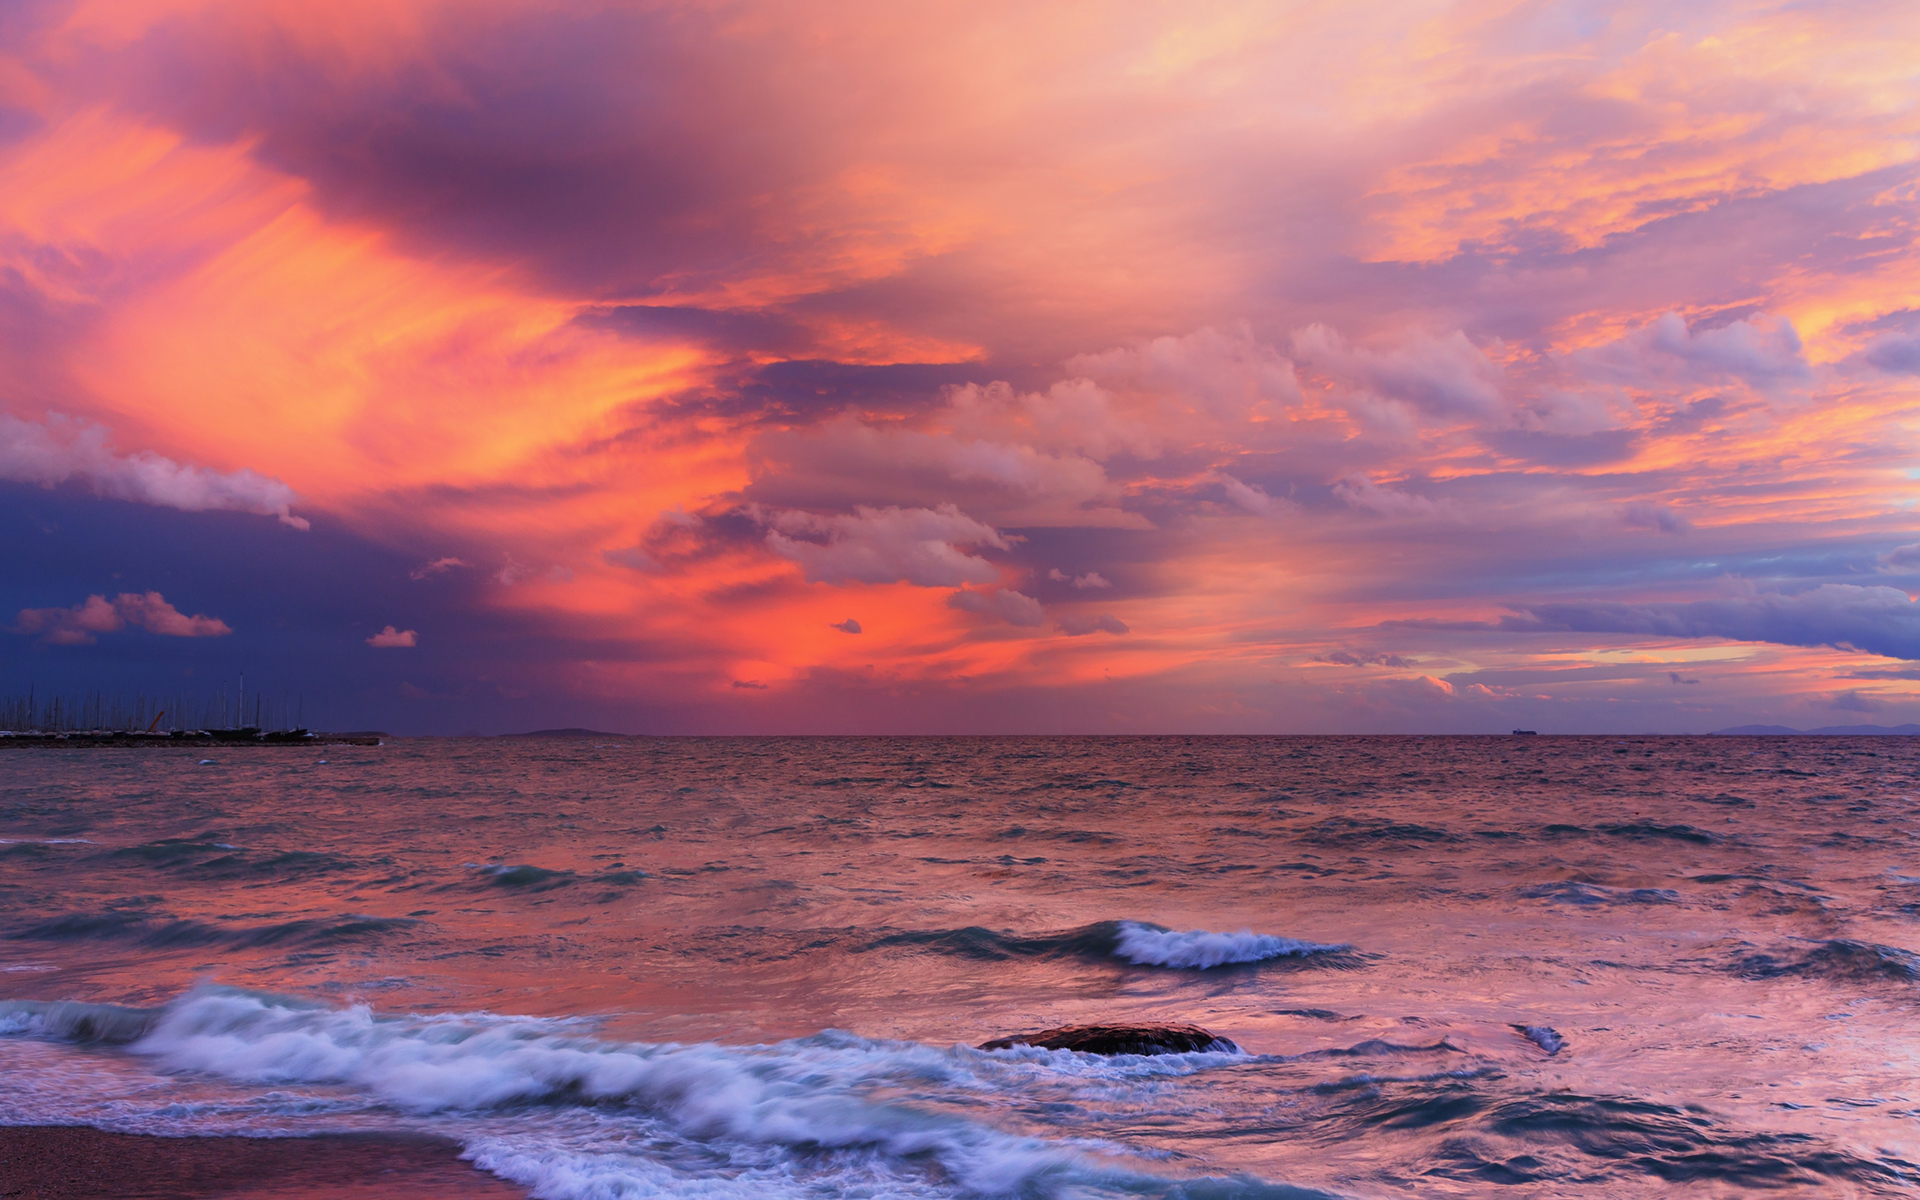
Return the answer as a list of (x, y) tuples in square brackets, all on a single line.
[(1526, 733)]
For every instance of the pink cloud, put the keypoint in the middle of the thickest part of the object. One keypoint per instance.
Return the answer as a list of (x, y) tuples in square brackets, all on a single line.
[(1000, 604), (1357, 491), (150, 611), (920, 546), (438, 566), (63, 448), (1764, 352), (1080, 626), (1092, 579), (392, 638), (1443, 376)]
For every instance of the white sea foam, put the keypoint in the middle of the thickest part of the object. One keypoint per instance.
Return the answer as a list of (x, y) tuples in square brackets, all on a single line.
[(570, 1116), (574, 1117), (1149, 945)]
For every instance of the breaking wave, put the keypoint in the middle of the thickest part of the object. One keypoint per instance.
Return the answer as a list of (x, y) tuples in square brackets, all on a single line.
[(1151, 945), (1136, 942), (76, 1021), (544, 1103)]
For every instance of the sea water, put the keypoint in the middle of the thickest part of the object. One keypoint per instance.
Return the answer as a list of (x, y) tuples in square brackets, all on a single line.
[(618, 968)]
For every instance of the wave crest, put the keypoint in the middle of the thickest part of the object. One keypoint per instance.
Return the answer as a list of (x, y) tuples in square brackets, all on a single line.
[(591, 1119), (1151, 945)]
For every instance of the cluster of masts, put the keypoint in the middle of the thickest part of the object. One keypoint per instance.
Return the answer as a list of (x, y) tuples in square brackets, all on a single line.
[(99, 712)]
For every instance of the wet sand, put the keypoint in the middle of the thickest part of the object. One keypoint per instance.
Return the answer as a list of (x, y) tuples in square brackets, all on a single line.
[(68, 1162)]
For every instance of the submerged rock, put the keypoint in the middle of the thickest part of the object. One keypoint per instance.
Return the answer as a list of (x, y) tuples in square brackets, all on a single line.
[(1119, 1039)]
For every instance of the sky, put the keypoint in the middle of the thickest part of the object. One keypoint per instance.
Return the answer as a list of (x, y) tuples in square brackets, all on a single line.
[(1051, 367)]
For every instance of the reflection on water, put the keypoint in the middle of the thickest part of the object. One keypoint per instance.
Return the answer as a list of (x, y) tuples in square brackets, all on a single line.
[(755, 967)]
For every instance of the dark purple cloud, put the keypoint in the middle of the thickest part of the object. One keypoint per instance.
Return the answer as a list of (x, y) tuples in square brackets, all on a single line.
[(1878, 620), (1079, 625)]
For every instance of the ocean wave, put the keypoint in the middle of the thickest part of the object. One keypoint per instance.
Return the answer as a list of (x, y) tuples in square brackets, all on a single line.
[(989, 945), (1380, 1048), (159, 931), (523, 875), (1137, 942), (1587, 895), (1357, 832), (575, 1117), (1841, 960), (1679, 1146), (75, 1021), (527, 877), (1152, 945), (1638, 831)]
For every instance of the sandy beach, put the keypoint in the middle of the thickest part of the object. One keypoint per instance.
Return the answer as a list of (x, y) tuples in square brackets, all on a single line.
[(70, 1162)]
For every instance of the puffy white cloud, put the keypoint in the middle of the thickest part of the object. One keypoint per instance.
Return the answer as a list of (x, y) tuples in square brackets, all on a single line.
[(885, 545), (1001, 604), (144, 610), (391, 638), (62, 449)]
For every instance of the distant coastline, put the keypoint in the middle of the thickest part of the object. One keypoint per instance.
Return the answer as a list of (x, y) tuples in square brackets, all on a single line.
[(220, 738), (1823, 731)]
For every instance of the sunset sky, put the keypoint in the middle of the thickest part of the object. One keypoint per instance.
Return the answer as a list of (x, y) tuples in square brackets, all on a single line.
[(764, 367)]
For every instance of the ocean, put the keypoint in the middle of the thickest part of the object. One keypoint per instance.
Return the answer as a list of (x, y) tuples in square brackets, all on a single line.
[(615, 968)]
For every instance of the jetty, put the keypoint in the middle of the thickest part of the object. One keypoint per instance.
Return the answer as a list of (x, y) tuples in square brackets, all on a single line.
[(97, 719), (87, 739)]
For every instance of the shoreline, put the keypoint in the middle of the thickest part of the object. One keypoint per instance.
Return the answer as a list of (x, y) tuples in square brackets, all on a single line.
[(79, 1162)]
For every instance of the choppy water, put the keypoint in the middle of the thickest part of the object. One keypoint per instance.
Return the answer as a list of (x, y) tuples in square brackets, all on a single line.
[(754, 967)]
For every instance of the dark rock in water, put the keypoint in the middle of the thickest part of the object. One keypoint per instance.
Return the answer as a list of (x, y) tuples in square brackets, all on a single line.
[(1119, 1039)]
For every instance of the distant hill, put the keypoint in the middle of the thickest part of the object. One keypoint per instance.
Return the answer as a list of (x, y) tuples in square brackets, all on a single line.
[(566, 733), (1825, 730)]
